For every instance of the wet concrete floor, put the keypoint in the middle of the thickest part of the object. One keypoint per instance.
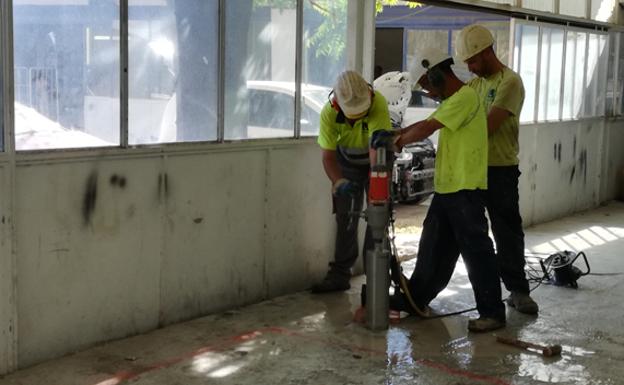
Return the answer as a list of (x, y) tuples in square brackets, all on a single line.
[(312, 339)]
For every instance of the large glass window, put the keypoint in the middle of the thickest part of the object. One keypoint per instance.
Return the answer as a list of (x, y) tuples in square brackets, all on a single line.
[(259, 52), (601, 74), (579, 75), (540, 5), (551, 70), (526, 52), (604, 10), (66, 57), (592, 76), (324, 57), (576, 8), (574, 85), (174, 71)]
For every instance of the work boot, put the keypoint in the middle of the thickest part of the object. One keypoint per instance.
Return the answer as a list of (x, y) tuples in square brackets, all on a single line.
[(522, 302), (400, 302), (330, 284), (485, 324)]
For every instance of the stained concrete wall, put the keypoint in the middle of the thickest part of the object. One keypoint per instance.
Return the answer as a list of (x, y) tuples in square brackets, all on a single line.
[(112, 247), (569, 167), (561, 166)]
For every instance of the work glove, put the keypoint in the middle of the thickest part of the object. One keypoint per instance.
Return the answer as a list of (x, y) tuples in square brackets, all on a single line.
[(344, 187), (383, 138)]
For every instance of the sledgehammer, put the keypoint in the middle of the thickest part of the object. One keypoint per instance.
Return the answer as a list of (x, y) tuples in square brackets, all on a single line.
[(546, 351)]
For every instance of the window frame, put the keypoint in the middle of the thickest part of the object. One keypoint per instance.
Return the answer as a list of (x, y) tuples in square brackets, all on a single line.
[(7, 83), (517, 63)]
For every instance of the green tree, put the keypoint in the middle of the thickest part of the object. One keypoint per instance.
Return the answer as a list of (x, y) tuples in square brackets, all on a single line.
[(327, 39)]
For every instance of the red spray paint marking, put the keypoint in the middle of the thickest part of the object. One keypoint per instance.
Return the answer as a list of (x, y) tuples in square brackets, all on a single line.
[(128, 375)]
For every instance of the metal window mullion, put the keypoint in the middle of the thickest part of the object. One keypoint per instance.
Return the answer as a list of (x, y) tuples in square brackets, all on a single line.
[(298, 67), (123, 78), (585, 66), (616, 67), (221, 74), (538, 79), (563, 73), (557, 7), (8, 81)]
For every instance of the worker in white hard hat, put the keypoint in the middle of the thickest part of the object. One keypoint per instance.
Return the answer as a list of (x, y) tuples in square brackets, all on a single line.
[(354, 111), (455, 221), (502, 92)]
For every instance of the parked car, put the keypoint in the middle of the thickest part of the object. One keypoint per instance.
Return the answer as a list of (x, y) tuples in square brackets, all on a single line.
[(272, 104), (271, 110)]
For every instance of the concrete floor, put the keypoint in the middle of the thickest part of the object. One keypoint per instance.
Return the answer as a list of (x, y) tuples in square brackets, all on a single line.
[(306, 339)]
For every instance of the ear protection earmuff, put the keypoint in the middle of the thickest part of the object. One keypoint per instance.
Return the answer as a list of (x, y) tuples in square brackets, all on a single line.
[(333, 101)]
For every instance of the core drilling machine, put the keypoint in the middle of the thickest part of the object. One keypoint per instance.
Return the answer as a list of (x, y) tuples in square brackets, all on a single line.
[(378, 259)]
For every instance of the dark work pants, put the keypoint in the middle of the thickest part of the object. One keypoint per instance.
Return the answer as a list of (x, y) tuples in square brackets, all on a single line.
[(347, 245), (456, 223), (502, 206)]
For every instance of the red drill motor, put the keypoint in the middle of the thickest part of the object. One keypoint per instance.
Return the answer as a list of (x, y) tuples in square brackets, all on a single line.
[(379, 189)]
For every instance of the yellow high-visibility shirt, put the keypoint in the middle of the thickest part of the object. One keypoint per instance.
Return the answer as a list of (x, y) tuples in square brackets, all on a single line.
[(503, 90), (461, 160), (352, 141)]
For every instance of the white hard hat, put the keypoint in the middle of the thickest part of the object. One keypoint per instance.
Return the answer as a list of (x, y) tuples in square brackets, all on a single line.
[(352, 94), (396, 87), (426, 59), (472, 40)]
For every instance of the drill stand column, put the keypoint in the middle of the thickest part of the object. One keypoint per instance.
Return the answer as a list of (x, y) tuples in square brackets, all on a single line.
[(378, 259), (377, 266)]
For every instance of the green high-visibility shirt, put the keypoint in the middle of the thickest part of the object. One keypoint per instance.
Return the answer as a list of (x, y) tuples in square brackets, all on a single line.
[(352, 141), (461, 160), (503, 90)]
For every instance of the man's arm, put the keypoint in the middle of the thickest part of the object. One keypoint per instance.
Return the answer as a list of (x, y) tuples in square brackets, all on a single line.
[(330, 164), (417, 132), (495, 119)]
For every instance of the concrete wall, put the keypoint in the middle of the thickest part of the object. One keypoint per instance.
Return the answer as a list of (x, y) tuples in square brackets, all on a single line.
[(568, 167), (110, 247)]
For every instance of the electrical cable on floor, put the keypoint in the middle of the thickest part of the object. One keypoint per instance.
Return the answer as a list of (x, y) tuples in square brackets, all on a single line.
[(534, 275)]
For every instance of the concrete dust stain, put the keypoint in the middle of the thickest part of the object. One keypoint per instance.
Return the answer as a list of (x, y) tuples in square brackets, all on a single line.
[(163, 185), (89, 198)]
